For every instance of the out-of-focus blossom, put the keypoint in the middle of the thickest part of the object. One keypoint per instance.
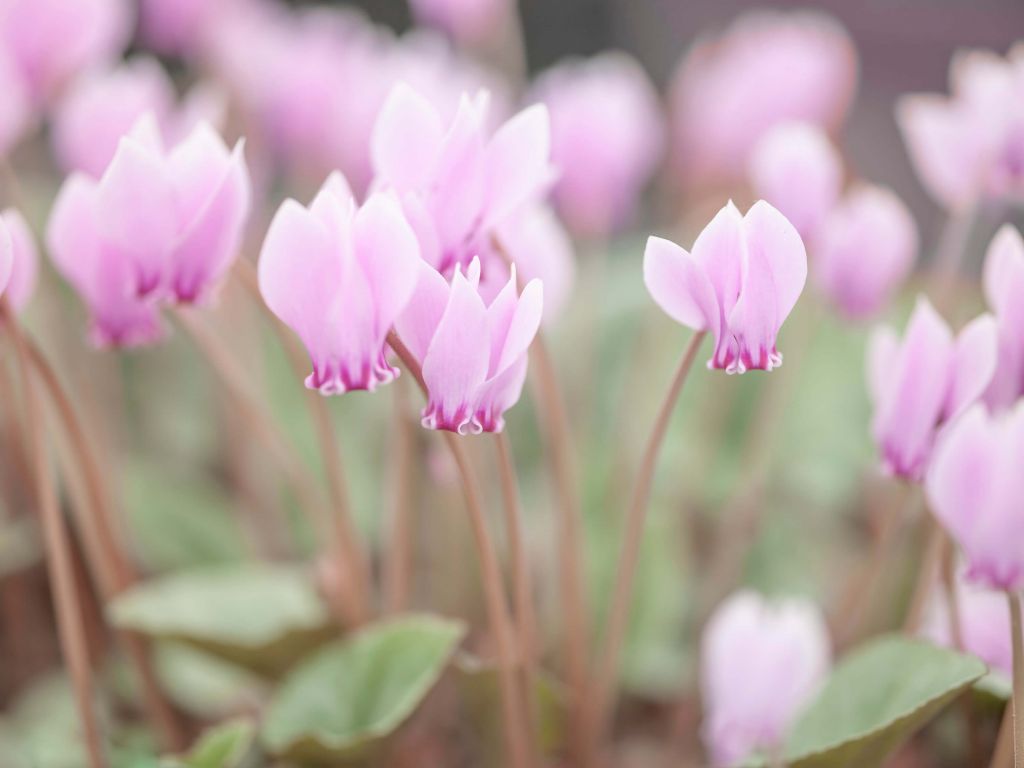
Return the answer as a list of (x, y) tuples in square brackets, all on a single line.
[(922, 383), (796, 169), (50, 41), (17, 115), (970, 144), (740, 283), (974, 488), (607, 136), (6, 256), (471, 21), (473, 354), (984, 624), (536, 242), (339, 275), (761, 663), (1004, 290), (766, 68), (24, 271), (181, 27), (158, 225), (104, 105), (865, 249)]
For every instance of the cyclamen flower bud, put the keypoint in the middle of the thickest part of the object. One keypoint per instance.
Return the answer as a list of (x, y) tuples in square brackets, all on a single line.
[(338, 275), (740, 283)]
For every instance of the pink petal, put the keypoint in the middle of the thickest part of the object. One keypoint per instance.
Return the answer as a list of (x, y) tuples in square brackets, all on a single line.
[(883, 353), (718, 250), (679, 286), (406, 139), (499, 394), (523, 325), (6, 256), (517, 162), (418, 321), (974, 363), (1003, 275), (25, 267)]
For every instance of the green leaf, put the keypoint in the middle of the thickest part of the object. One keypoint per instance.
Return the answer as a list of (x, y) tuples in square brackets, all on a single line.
[(204, 685), (875, 699), (340, 704), (260, 616), (223, 746)]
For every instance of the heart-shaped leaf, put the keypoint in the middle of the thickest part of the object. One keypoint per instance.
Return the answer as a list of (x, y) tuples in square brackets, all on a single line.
[(875, 699), (340, 704), (223, 746), (260, 616)]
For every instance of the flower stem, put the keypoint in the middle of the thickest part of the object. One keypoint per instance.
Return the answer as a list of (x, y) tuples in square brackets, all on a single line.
[(1018, 679), (516, 732), (399, 562), (930, 562), (67, 607), (635, 517)]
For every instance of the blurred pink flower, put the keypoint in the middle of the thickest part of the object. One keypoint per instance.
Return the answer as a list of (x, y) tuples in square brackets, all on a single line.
[(24, 272), (471, 21), (339, 275), (922, 383), (761, 663), (796, 169), (103, 105), (17, 114), (971, 144), (767, 67), (740, 283), (50, 41), (984, 624), (157, 225), (1004, 289), (865, 249), (607, 137), (181, 26), (474, 354), (974, 488), (6, 256)]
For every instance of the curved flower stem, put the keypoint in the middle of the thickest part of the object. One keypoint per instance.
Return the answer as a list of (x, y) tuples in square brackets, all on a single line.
[(67, 606), (1002, 755), (950, 252), (516, 732), (635, 517), (399, 560), (346, 538), (103, 548), (352, 597), (930, 562), (1018, 679)]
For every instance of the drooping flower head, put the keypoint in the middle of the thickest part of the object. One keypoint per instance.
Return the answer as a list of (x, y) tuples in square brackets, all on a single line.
[(923, 382), (865, 250), (607, 137), (761, 662), (975, 488), (159, 225), (970, 145), (796, 169), (338, 275), (1004, 290), (24, 271), (473, 354), (739, 283)]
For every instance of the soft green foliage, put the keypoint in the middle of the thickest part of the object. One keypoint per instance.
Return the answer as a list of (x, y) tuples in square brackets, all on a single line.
[(223, 746), (204, 685), (340, 704)]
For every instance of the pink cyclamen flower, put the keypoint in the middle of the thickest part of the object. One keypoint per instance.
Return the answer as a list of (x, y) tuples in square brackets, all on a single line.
[(796, 169), (339, 275), (1003, 279), (473, 354), (974, 487), (103, 105), (970, 145), (740, 282), (24, 272), (865, 249), (607, 137), (17, 114), (761, 663), (471, 21), (766, 68), (158, 225), (181, 27), (924, 382)]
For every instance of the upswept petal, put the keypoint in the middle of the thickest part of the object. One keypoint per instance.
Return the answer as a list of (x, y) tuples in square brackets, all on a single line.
[(1003, 273), (418, 321), (518, 162), (974, 364), (406, 139), (883, 354), (718, 249), (679, 285), (25, 266)]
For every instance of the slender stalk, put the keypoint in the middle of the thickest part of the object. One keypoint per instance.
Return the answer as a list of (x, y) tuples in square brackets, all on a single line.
[(949, 254), (67, 606), (930, 562), (516, 733), (1018, 679), (398, 565), (346, 538), (1002, 755), (635, 517)]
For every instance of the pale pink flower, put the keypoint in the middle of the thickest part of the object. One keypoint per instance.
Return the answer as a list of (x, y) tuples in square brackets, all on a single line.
[(796, 169), (970, 145), (865, 250), (339, 275), (740, 282), (923, 382), (24, 272), (761, 664), (975, 488), (473, 354), (470, 21), (17, 113), (607, 137), (1003, 280), (766, 68), (181, 26), (103, 105), (6, 256)]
